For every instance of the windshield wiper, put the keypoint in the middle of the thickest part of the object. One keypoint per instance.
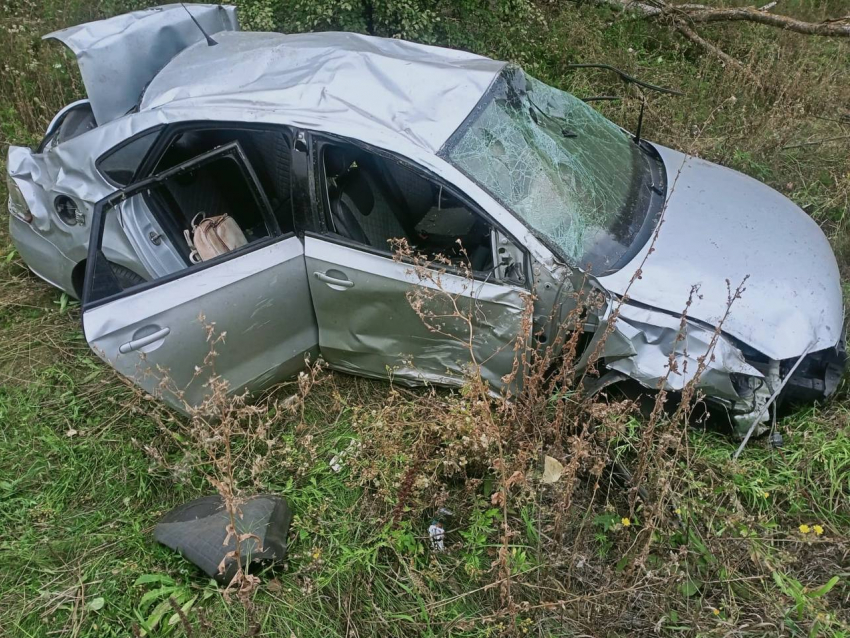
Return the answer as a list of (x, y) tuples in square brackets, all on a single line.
[(625, 77), (628, 79)]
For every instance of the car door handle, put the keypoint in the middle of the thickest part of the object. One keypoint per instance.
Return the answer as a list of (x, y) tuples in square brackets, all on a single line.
[(141, 342), (334, 281)]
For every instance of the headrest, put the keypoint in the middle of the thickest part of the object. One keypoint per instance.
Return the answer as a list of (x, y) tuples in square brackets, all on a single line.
[(337, 161), (413, 191)]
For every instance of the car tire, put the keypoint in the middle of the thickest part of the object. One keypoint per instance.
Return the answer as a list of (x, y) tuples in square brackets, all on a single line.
[(126, 277)]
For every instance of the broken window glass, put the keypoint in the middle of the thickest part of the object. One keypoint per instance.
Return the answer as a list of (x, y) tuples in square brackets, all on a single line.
[(569, 173)]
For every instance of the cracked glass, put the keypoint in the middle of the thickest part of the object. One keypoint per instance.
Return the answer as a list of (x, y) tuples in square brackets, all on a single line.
[(572, 175)]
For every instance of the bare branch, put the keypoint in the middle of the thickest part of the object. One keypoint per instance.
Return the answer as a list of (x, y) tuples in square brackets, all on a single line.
[(839, 27), (696, 13), (716, 51)]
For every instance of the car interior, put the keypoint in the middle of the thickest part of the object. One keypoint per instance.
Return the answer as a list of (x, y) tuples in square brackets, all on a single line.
[(372, 200), (75, 121), (220, 188)]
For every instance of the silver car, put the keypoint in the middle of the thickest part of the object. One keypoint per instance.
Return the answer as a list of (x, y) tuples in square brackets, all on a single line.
[(319, 149)]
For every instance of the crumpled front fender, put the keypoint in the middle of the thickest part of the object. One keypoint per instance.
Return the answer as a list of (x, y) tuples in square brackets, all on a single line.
[(643, 340)]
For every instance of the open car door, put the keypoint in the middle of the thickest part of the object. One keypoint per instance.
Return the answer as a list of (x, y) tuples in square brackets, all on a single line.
[(244, 316)]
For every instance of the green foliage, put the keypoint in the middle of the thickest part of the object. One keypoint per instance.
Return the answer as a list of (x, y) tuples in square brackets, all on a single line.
[(160, 609), (807, 601), (257, 15), (478, 535), (605, 524), (470, 24)]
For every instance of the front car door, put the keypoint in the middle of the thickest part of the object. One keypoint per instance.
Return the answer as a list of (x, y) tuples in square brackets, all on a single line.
[(244, 316), (380, 315)]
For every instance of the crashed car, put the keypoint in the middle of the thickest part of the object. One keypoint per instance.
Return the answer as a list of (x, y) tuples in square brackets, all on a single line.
[(257, 180)]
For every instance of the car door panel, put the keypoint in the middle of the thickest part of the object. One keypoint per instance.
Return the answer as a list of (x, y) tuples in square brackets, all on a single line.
[(368, 326), (245, 316), (258, 301)]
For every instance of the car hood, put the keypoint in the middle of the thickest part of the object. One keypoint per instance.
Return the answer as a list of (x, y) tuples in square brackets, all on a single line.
[(721, 225)]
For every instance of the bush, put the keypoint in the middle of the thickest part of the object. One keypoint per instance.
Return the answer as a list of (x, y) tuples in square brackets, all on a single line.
[(497, 27)]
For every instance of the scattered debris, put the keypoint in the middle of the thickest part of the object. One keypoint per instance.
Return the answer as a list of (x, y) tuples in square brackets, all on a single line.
[(198, 530), (437, 534), (336, 463), (552, 470)]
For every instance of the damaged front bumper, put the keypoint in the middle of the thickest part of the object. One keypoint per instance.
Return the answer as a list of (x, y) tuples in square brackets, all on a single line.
[(643, 343)]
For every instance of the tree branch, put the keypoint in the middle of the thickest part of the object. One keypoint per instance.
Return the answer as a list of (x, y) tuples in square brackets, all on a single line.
[(839, 27), (689, 33), (697, 13)]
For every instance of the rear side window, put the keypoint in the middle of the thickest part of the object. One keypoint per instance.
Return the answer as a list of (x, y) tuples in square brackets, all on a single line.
[(209, 207), (121, 163)]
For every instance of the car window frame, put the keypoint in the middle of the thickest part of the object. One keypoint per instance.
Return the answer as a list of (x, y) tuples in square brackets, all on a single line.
[(321, 228), (136, 136), (56, 122), (109, 203), (171, 131)]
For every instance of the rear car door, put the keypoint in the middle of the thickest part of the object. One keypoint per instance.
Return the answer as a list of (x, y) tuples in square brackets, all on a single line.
[(244, 316)]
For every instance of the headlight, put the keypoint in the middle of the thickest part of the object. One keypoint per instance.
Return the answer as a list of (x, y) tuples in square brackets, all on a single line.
[(17, 204), (745, 385)]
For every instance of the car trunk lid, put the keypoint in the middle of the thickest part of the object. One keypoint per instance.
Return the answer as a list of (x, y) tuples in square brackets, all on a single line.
[(119, 56)]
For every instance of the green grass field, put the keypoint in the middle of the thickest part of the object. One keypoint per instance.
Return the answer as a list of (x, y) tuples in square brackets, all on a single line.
[(755, 547)]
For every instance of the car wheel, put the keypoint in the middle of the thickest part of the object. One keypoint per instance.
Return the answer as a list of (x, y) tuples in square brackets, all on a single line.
[(126, 277)]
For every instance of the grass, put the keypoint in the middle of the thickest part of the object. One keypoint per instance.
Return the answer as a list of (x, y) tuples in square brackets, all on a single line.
[(86, 466)]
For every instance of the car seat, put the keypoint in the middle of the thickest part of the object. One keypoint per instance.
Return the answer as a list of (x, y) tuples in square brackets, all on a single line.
[(270, 154), (353, 202), (360, 207), (412, 193)]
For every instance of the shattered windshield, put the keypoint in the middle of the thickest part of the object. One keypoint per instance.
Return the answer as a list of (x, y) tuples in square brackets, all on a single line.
[(572, 175)]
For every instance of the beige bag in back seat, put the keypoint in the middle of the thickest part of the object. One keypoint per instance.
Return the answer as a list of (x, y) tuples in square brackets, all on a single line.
[(213, 236)]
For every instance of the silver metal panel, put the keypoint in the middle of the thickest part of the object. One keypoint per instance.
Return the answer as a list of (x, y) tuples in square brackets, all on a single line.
[(721, 224), (643, 341), (360, 83), (139, 223), (120, 55), (69, 169), (41, 256), (260, 300), (370, 327), (120, 250), (50, 247)]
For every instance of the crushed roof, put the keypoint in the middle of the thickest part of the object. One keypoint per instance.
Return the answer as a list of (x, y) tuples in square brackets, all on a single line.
[(417, 91)]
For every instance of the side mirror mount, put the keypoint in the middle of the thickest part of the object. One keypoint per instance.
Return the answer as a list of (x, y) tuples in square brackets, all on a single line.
[(509, 260)]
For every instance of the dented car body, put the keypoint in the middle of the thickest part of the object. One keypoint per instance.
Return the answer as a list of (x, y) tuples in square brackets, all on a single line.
[(321, 149)]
